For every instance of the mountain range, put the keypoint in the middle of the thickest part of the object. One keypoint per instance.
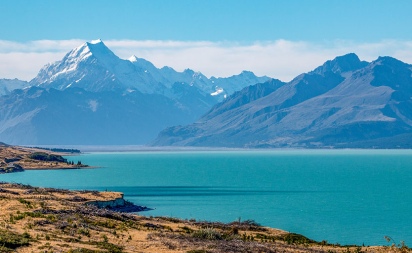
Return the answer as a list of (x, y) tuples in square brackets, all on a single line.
[(343, 103), (94, 67), (92, 96)]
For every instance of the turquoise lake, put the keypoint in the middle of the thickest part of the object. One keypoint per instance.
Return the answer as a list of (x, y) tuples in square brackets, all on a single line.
[(342, 196)]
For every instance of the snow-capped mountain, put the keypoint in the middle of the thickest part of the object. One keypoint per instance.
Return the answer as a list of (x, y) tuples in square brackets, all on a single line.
[(94, 67), (92, 96), (343, 103)]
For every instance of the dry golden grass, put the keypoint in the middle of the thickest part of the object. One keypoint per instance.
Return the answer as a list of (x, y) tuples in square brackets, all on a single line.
[(50, 220), (23, 154)]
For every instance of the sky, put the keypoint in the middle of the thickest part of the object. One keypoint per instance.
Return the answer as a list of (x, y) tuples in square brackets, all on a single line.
[(280, 39)]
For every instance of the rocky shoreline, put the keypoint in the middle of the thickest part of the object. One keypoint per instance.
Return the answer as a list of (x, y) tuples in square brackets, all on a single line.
[(118, 205)]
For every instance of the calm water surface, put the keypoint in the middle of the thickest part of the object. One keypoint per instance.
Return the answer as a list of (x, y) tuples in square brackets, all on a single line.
[(342, 196)]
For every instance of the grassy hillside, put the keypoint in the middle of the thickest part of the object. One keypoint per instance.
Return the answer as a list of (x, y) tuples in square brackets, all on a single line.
[(52, 220)]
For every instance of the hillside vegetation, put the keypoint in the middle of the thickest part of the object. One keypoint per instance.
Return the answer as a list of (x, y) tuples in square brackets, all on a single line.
[(36, 219)]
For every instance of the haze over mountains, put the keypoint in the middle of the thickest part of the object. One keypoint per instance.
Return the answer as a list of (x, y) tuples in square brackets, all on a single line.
[(92, 96), (343, 103)]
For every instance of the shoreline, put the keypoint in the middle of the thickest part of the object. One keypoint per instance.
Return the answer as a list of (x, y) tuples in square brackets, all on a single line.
[(49, 217), (18, 159), (143, 148), (64, 168)]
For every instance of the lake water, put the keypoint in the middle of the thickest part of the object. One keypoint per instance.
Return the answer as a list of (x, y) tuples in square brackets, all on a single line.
[(342, 196)]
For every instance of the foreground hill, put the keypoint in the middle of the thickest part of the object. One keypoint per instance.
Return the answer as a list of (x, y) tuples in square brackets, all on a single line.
[(343, 103), (54, 220)]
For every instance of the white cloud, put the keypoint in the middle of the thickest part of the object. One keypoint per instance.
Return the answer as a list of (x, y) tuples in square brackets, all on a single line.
[(281, 59)]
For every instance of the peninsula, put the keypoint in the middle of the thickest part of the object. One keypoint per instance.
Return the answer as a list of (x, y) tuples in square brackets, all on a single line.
[(17, 159)]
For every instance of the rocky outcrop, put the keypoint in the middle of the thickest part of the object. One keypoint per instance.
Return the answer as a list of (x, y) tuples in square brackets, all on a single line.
[(12, 159), (11, 167), (119, 205), (117, 202)]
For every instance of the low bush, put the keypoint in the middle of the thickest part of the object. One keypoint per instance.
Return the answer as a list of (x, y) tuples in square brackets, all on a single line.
[(208, 233), (10, 241), (41, 156)]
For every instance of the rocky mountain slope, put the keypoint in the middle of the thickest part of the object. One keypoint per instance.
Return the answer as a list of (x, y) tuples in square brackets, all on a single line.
[(343, 103)]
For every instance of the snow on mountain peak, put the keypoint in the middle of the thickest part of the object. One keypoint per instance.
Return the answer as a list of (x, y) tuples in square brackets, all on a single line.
[(82, 52), (94, 52), (95, 67), (133, 58), (96, 41), (99, 50), (95, 47)]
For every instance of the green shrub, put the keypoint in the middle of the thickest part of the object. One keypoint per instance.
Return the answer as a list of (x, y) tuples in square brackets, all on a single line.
[(110, 247), (41, 156), (26, 203), (84, 231), (292, 238), (207, 233), (10, 240)]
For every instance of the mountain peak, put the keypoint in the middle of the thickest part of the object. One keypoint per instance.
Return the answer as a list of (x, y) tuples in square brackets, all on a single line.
[(189, 71), (87, 54), (97, 45), (133, 58), (341, 64), (247, 73), (96, 41), (390, 61), (96, 48)]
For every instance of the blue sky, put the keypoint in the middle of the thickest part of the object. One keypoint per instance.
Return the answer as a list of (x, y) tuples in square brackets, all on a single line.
[(240, 20), (317, 30)]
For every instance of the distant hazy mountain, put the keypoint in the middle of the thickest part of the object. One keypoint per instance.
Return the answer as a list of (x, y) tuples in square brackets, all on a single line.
[(92, 96), (343, 103), (8, 85), (76, 116)]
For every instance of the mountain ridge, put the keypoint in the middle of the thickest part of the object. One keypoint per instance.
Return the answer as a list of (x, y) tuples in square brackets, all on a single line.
[(94, 67), (334, 105), (95, 97)]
